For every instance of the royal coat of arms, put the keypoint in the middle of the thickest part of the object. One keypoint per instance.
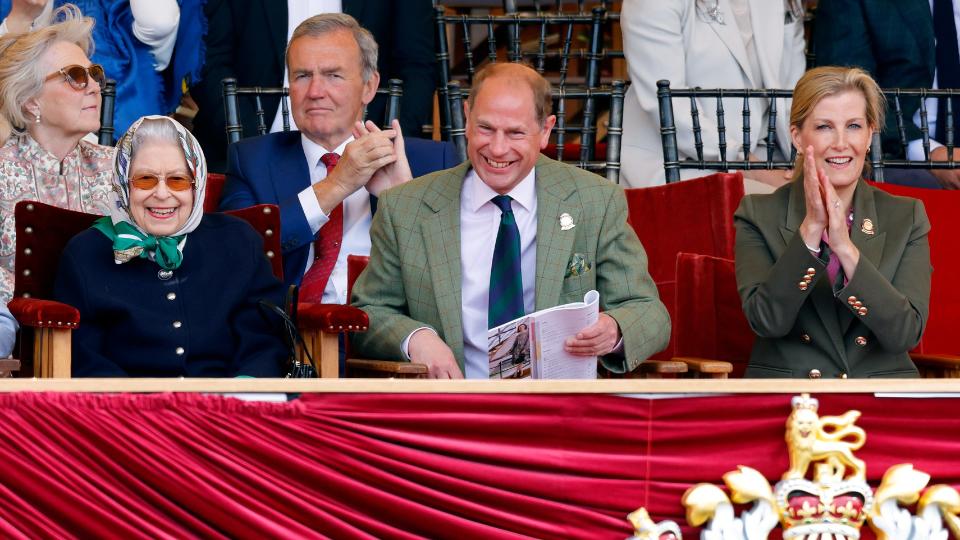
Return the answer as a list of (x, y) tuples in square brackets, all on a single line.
[(823, 496)]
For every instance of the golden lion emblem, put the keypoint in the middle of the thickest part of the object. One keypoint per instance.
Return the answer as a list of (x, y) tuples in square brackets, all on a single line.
[(829, 440)]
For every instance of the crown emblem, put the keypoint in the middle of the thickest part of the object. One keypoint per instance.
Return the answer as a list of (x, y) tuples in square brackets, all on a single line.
[(822, 496)]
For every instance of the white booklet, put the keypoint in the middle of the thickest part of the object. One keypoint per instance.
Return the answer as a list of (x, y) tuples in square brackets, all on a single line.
[(532, 346)]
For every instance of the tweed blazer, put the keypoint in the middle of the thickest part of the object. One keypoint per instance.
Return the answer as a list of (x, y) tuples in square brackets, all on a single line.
[(415, 272), (862, 329)]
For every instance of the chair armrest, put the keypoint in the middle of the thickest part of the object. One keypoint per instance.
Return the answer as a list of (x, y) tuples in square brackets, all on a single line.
[(657, 368), (54, 323), (321, 326), (331, 318), (385, 368), (8, 366), (38, 313), (937, 365), (703, 367)]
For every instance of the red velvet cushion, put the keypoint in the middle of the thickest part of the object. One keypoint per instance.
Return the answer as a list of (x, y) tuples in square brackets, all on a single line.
[(265, 219), (694, 216), (44, 313), (667, 291), (355, 266), (332, 318), (211, 199), (571, 151), (42, 232), (942, 207), (709, 320)]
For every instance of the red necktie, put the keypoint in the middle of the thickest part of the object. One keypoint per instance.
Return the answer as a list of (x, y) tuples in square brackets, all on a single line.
[(326, 247)]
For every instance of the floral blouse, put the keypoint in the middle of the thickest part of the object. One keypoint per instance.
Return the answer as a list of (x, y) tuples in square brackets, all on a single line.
[(82, 181)]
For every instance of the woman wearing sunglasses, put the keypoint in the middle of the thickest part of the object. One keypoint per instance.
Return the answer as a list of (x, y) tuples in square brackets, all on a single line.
[(49, 100), (162, 289)]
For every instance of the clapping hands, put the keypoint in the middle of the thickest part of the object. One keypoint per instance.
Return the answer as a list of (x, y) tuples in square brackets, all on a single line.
[(826, 217), (395, 172), (375, 159)]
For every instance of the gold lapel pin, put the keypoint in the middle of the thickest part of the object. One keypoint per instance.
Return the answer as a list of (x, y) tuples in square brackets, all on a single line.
[(566, 222), (867, 226)]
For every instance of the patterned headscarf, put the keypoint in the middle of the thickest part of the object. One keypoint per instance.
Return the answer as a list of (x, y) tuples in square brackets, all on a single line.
[(131, 241)]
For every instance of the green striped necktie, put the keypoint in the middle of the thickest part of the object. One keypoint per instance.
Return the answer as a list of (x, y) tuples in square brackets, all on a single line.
[(506, 283)]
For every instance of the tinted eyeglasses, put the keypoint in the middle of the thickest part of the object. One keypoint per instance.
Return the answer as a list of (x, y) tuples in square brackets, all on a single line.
[(79, 76), (174, 182)]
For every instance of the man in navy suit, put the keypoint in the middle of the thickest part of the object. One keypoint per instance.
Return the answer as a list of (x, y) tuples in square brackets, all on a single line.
[(247, 40), (326, 177)]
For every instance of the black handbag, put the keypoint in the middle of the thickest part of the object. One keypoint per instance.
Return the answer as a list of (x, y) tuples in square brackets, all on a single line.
[(300, 363)]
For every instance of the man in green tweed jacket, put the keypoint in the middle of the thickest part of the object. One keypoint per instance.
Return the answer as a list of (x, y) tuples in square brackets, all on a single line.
[(427, 285)]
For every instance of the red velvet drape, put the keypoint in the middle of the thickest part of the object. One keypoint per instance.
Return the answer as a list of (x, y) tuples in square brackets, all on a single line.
[(405, 466)]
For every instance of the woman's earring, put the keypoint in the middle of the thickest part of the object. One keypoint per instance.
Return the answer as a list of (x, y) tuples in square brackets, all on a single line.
[(36, 118)]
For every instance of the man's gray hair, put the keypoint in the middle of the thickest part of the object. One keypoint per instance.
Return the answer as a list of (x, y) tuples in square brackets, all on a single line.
[(325, 23)]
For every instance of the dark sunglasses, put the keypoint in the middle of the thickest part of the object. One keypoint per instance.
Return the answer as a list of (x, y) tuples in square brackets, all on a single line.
[(79, 76), (174, 182)]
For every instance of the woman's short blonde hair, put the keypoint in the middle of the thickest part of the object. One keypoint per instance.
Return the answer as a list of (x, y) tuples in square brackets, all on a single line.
[(21, 73), (827, 81)]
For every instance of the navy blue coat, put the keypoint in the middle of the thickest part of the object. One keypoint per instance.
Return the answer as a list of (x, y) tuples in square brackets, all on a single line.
[(202, 322), (271, 169)]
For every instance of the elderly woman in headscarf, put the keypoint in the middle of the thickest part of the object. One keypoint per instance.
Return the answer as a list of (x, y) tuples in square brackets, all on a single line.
[(49, 100), (162, 289)]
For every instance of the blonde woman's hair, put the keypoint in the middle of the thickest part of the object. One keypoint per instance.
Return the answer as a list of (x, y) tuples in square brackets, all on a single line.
[(827, 81), (21, 72)]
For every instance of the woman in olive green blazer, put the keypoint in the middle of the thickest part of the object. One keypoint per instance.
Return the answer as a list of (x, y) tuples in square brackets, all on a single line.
[(833, 273)]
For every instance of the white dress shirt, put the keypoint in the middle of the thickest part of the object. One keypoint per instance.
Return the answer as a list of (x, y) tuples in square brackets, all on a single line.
[(297, 12), (356, 220), (915, 147), (479, 224)]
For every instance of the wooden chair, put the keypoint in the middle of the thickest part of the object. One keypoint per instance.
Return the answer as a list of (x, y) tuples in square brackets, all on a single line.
[(42, 233), (557, 6), (375, 368), (264, 115), (108, 95), (723, 101), (585, 125), (551, 47), (939, 351), (695, 216), (710, 332), (215, 182)]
